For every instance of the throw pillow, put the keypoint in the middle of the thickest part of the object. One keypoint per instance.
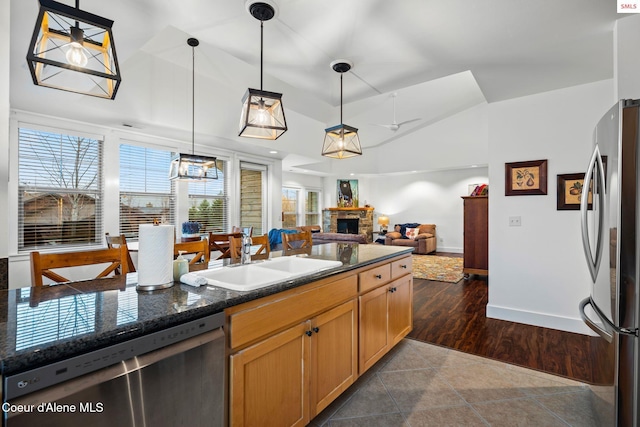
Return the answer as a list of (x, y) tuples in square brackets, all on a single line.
[(411, 233)]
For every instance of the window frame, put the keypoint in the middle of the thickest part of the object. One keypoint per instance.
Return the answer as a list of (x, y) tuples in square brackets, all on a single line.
[(15, 192)]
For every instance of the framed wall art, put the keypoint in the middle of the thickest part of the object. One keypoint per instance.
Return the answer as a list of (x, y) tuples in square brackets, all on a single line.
[(570, 191), (526, 178), (347, 193)]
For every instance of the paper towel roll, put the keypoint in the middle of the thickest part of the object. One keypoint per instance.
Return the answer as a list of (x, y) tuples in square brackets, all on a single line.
[(155, 256)]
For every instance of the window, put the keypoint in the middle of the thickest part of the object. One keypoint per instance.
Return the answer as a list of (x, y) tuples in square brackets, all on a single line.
[(146, 192), (289, 207), (59, 190), (312, 208), (253, 204), (208, 202)]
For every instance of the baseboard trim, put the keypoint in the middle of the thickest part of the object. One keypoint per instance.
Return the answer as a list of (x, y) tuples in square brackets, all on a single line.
[(544, 320)]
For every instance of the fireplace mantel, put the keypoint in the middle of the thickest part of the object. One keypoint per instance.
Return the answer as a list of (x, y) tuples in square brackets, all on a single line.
[(364, 215)]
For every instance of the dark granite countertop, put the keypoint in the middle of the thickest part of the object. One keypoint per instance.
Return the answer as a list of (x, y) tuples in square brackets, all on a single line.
[(41, 326)]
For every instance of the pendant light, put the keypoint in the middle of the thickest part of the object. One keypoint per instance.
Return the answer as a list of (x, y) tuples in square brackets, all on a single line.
[(341, 141), (262, 111), (73, 50), (190, 166)]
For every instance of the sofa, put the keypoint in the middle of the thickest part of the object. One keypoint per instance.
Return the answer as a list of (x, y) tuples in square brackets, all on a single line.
[(422, 237)]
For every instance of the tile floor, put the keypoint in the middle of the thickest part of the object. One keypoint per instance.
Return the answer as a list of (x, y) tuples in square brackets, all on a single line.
[(419, 384)]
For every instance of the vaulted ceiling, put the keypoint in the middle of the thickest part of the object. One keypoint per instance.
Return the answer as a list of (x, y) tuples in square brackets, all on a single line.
[(440, 57)]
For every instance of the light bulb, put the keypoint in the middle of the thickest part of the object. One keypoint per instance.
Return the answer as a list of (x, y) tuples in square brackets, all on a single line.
[(340, 143), (262, 116), (75, 55)]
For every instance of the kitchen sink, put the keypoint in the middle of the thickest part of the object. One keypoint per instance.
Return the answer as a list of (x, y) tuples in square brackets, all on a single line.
[(255, 276), (299, 265)]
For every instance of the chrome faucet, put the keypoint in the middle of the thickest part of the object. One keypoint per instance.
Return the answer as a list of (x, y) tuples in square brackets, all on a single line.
[(246, 249)]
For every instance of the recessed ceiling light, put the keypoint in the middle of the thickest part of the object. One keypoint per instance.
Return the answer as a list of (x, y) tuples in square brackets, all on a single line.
[(474, 166), (273, 152), (352, 174)]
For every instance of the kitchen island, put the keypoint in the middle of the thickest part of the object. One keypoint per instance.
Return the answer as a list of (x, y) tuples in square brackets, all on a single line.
[(42, 326)]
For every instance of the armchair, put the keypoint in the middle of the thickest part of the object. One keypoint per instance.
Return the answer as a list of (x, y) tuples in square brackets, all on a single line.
[(423, 240)]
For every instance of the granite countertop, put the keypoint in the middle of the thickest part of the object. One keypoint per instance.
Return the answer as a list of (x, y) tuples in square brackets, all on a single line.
[(41, 326)]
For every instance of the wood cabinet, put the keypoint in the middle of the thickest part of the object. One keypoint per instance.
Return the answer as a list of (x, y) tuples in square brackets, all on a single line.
[(476, 235), (286, 379), (385, 318), (291, 354)]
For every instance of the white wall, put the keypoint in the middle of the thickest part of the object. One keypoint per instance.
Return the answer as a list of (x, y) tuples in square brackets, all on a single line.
[(626, 59), (430, 198), (537, 271), (4, 122)]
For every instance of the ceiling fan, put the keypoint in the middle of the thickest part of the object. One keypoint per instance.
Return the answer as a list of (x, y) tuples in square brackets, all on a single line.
[(395, 125)]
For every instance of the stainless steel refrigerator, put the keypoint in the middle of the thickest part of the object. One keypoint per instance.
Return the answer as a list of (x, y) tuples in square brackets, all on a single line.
[(609, 209)]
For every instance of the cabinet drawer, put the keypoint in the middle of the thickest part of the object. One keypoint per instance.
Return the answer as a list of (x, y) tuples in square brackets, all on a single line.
[(375, 277), (400, 267), (251, 324)]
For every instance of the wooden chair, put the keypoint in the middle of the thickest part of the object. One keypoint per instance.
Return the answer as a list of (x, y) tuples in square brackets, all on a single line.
[(42, 264), (244, 230), (235, 247), (220, 242), (296, 240), (199, 248), (116, 242)]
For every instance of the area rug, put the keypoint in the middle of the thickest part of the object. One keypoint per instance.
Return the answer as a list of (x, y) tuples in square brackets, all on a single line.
[(440, 268)]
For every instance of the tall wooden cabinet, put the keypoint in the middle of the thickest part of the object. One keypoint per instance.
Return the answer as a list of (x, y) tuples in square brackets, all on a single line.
[(476, 235)]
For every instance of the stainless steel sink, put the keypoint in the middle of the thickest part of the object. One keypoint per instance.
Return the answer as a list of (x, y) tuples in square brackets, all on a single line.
[(255, 276)]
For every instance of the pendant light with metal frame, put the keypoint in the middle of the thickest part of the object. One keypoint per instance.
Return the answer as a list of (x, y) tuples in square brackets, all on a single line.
[(341, 141), (190, 166), (73, 50), (262, 111)]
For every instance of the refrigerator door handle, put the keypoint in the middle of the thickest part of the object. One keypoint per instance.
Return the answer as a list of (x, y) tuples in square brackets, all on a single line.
[(607, 333), (593, 262)]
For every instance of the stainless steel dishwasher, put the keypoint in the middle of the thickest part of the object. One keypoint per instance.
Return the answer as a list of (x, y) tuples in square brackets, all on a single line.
[(174, 377)]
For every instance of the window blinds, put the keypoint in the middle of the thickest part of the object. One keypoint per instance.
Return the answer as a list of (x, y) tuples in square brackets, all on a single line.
[(209, 200), (146, 193), (60, 189)]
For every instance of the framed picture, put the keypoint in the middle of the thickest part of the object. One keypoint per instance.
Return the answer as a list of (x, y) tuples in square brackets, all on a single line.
[(526, 178), (570, 191), (347, 193)]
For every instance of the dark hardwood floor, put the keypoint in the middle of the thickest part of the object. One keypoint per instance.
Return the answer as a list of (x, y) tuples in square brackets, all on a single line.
[(454, 315)]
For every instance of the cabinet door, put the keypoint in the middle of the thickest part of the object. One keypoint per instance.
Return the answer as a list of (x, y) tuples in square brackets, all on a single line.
[(268, 381), (400, 309), (333, 354), (374, 339)]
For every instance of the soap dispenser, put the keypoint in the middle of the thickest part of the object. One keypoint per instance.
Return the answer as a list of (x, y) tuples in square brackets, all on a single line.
[(180, 267)]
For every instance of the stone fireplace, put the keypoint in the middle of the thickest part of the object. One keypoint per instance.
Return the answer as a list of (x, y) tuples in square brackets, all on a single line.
[(360, 219)]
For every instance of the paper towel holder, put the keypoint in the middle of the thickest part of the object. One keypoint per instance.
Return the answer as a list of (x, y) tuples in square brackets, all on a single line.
[(149, 288)]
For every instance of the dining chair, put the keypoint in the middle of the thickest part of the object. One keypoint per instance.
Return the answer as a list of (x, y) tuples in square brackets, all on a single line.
[(245, 230), (116, 242), (220, 242), (296, 240), (263, 252), (200, 249), (42, 264)]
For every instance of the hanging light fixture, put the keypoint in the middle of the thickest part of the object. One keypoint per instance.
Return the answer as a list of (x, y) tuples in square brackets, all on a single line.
[(341, 141), (262, 112), (190, 166), (73, 50)]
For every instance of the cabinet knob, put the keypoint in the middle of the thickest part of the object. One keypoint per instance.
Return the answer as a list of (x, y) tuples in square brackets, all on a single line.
[(378, 276), (316, 329), (308, 333), (403, 266), (392, 290)]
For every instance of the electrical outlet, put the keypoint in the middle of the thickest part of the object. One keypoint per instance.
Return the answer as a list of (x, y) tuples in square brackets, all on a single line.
[(515, 221), (441, 240)]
